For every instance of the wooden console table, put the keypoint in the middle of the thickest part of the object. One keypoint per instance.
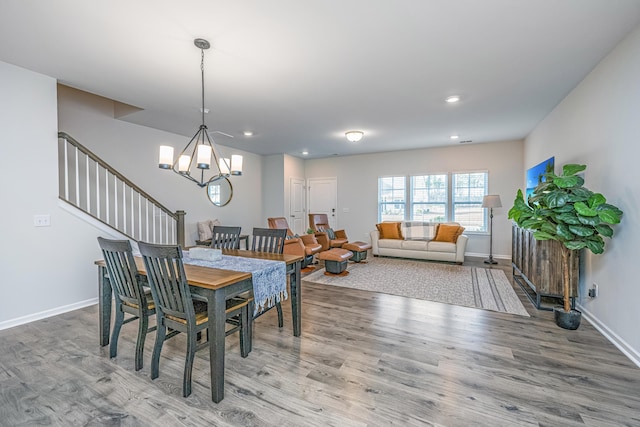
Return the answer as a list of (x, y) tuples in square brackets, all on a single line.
[(537, 267)]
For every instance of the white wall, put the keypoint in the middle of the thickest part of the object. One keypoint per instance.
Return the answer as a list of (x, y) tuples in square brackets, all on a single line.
[(272, 188), (45, 270), (597, 125), (358, 184), (133, 151)]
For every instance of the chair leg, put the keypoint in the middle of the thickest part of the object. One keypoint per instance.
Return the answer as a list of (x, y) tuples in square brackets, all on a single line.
[(188, 364), (245, 331), (280, 318), (161, 333), (113, 348), (143, 325)]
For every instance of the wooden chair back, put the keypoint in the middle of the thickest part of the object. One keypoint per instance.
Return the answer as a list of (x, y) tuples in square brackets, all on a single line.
[(168, 281), (225, 237), (268, 240), (122, 270)]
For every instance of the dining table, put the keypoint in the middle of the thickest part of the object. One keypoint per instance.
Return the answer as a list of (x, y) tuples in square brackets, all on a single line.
[(216, 285)]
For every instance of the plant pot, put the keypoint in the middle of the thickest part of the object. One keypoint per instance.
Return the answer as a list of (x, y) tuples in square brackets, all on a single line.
[(567, 319)]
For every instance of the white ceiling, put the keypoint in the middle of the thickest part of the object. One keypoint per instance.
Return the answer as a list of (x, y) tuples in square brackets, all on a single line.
[(301, 73)]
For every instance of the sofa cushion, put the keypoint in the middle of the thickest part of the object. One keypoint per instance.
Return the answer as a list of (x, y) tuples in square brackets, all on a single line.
[(448, 233), (389, 230), (390, 243), (415, 245), (434, 246), (418, 230)]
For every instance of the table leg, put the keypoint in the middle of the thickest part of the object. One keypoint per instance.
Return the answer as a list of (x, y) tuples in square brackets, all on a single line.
[(104, 305), (296, 299), (217, 318)]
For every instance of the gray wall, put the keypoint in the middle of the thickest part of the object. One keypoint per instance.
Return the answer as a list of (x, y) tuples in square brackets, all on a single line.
[(133, 151), (358, 184), (597, 125), (45, 270)]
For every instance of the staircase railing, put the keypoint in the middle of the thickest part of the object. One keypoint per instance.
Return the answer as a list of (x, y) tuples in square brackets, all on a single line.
[(93, 186)]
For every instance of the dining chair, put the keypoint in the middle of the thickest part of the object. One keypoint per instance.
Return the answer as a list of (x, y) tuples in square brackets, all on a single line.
[(130, 295), (270, 240), (179, 311), (225, 237)]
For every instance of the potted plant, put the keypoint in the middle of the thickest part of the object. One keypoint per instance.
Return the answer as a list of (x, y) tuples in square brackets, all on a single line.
[(562, 209)]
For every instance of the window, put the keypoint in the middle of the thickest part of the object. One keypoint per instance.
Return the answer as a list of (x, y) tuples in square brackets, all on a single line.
[(431, 198), (392, 198), (468, 191)]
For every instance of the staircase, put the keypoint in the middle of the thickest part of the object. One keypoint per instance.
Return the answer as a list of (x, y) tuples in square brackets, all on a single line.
[(89, 184)]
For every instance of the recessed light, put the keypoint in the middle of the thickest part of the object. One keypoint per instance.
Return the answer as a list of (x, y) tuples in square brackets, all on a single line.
[(453, 98), (454, 137), (247, 133), (305, 153)]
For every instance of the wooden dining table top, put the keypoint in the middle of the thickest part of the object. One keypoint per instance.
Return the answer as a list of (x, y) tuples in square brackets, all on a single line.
[(214, 278)]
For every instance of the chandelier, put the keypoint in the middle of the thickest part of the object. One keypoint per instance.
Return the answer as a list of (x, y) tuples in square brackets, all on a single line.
[(201, 152)]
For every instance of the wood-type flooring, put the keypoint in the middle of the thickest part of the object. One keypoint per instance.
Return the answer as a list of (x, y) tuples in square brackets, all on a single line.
[(364, 359)]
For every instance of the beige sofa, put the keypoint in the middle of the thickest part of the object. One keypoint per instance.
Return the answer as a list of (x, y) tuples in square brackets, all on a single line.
[(417, 242)]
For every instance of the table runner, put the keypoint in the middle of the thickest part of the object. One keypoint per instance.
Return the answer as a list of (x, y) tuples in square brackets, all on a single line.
[(268, 277)]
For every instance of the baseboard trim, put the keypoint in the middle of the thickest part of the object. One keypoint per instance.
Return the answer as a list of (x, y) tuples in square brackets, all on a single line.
[(47, 313), (483, 255), (621, 344)]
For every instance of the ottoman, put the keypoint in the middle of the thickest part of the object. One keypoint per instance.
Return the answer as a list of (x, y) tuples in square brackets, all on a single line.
[(335, 261), (359, 250)]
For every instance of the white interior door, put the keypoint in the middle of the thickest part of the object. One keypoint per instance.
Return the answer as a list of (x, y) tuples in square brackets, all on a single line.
[(323, 198), (297, 206)]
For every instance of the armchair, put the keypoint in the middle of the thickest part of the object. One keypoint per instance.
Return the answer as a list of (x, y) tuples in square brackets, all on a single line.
[(319, 223), (306, 245)]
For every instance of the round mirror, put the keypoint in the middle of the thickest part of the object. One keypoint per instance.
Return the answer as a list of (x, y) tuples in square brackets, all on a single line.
[(220, 191)]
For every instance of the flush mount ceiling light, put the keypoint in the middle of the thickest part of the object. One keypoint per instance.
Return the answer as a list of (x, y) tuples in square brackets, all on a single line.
[(453, 98), (199, 151), (354, 135), (454, 137)]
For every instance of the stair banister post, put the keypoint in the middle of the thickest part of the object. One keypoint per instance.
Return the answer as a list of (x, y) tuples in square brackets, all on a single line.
[(180, 227)]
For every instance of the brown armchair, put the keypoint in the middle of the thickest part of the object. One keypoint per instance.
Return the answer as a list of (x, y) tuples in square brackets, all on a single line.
[(305, 245), (319, 223)]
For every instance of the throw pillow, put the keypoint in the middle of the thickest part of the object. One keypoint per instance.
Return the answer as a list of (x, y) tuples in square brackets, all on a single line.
[(389, 230), (448, 233), (330, 233), (205, 228)]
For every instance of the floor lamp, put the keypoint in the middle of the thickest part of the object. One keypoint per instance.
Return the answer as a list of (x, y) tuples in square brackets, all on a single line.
[(491, 201)]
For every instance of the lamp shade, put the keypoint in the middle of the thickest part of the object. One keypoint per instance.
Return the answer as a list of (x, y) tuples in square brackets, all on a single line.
[(166, 157), (491, 201), (236, 164)]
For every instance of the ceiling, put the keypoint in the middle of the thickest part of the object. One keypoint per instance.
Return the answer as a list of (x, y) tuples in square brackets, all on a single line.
[(299, 74)]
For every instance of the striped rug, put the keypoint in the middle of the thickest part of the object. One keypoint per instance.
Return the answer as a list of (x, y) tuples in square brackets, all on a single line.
[(475, 287)]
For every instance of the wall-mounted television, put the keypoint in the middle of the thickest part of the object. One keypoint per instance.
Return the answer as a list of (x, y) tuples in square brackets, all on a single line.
[(535, 175)]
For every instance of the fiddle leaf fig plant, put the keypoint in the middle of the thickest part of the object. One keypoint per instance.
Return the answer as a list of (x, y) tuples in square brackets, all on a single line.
[(562, 209)]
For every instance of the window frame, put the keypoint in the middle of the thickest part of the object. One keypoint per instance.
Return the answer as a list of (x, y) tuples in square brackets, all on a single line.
[(450, 204)]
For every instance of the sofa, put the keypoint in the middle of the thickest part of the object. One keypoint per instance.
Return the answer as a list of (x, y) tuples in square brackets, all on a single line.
[(420, 240)]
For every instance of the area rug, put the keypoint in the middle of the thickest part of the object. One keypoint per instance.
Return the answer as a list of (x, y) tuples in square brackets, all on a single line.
[(484, 288)]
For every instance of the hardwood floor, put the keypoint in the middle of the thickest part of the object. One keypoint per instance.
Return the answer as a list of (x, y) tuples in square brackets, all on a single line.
[(363, 359)]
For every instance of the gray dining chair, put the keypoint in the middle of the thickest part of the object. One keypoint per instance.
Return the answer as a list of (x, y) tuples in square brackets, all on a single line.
[(130, 295), (177, 310), (225, 237)]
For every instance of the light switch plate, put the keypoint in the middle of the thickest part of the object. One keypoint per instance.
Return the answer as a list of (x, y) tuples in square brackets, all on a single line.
[(42, 220)]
